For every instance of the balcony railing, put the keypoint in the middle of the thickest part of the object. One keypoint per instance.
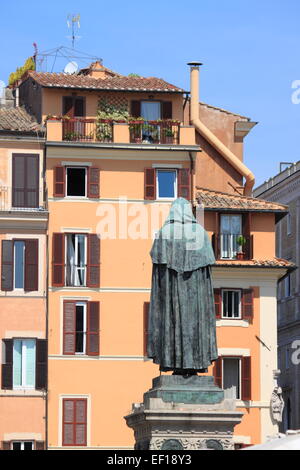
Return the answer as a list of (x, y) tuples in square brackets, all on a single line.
[(232, 246), (154, 132), (18, 199), (87, 130), (146, 132)]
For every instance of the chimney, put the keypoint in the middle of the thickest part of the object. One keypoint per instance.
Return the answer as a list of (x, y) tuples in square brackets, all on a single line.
[(210, 137)]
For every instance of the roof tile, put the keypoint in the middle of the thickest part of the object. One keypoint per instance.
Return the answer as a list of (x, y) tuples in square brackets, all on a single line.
[(18, 120)]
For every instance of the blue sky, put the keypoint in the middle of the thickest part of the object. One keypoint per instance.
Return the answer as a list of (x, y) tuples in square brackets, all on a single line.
[(250, 51)]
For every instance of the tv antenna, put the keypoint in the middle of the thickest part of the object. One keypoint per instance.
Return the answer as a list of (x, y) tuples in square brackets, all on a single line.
[(73, 22)]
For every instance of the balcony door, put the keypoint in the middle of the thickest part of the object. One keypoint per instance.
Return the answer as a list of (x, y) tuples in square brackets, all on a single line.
[(76, 261), (231, 229)]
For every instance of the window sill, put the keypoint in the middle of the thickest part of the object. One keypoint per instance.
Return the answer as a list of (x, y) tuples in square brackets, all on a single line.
[(232, 323)]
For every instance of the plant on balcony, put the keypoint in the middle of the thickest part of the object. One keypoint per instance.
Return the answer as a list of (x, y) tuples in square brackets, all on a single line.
[(241, 242)]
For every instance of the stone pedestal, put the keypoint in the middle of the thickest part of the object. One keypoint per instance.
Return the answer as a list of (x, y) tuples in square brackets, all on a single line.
[(181, 413)]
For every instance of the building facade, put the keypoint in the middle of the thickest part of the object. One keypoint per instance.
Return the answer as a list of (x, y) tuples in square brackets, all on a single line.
[(285, 188), (23, 295), (118, 151)]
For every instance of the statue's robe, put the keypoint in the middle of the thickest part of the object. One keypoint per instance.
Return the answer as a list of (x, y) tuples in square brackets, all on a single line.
[(182, 322)]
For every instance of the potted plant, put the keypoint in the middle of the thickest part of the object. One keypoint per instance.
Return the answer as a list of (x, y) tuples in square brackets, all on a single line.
[(241, 242), (168, 136)]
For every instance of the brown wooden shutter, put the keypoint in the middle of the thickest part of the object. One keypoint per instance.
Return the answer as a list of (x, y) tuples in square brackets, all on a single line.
[(18, 180), (217, 372), (184, 183), (32, 181), (58, 255), (166, 110), (31, 265), (247, 304), (68, 106), (79, 106), (59, 181), (41, 364), (146, 331), (150, 183), (93, 268), (69, 329), (93, 323), (218, 303), (39, 445), (135, 109), (25, 180), (7, 367), (93, 182), (7, 265), (74, 422), (5, 445), (246, 378)]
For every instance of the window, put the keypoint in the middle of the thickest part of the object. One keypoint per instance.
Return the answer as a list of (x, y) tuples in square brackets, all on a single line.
[(22, 445), (76, 260), (20, 265), (74, 422), (150, 110), (81, 328), (24, 363), (74, 106), (231, 231), (25, 181), (232, 376), (76, 181), (234, 373), (231, 303), (289, 224), (166, 184), (287, 286)]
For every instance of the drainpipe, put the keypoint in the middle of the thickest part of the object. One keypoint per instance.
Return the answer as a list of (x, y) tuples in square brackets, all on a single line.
[(210, 137)]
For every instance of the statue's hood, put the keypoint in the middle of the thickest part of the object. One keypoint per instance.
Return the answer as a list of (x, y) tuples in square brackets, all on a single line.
[(182, 243)]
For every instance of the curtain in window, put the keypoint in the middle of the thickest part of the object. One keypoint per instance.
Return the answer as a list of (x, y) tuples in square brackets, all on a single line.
[(231, 376), (150, 110)]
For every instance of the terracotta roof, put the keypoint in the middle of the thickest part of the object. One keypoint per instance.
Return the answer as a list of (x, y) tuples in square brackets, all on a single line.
[(271, 263), (62, 80), (18, 120), (214, 200)]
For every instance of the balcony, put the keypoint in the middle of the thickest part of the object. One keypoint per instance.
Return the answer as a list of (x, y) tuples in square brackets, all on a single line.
[(165, 132), (229, 246), (19, 199)]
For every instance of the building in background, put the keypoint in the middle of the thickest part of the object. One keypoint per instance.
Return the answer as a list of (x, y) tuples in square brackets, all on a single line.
[(118, 151), (285, 188), (23, 292)]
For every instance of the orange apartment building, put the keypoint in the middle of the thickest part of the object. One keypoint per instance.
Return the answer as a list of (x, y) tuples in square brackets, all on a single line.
[(109, 186), (23, 292)]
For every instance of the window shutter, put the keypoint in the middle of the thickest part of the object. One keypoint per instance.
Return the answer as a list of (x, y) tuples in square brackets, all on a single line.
[(68, 422), (166, 110), (41, 364), (217, 372), (135, 109), (93, 321), (18, 180), (5, 445), (7, 265), (80, 422), (31, 265), (93, 268), (59, 179), (184, 183), (218, 303), (25, 180), (68, 106), (7, 367), (246, 378), (79, 107), (32, 181), (69, 331), (93, 182), (74, 422), (146, 331), (150, 183), (58, 267), (247, 304), (39, 445)]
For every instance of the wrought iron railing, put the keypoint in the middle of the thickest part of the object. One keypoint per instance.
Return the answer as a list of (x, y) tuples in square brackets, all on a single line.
[(21, 199), (87, 130), (154, 132)]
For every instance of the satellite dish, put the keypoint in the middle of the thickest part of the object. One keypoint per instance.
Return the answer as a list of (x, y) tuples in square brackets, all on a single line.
[(71, 68)]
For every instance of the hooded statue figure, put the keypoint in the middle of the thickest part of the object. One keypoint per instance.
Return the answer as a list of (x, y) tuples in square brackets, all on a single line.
[(182, 322)]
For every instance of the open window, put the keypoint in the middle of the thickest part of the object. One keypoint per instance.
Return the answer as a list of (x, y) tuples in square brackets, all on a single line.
[(166, 184), (76, 178), (76, 260)]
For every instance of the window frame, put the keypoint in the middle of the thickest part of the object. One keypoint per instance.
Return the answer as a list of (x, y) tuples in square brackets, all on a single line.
[(238, 358), (228, 289), (85, 181), (85, 319), (15, 240), (165, 170), (222, 214), (74, 400), (23, 365), (22, 444)]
